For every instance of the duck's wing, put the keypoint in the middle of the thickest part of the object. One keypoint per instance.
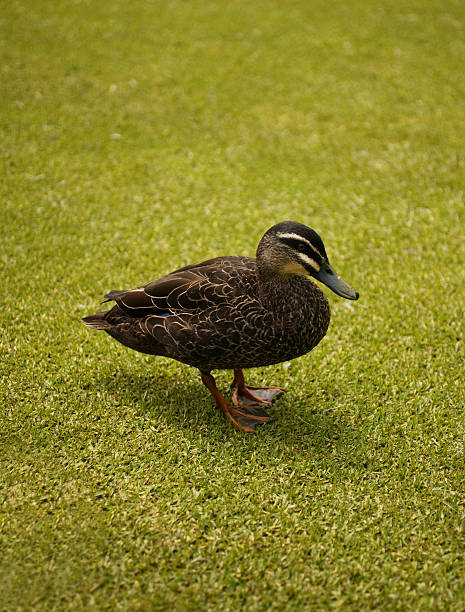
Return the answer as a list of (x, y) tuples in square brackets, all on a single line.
[(190, 289)]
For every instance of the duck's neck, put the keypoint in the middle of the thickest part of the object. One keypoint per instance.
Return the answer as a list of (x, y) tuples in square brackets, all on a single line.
[(275, 288)]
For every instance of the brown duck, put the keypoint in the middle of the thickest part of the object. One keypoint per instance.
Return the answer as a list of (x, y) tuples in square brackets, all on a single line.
[(233, 313)]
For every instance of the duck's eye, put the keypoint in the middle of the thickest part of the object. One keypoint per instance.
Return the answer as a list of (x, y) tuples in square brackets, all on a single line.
[(301, 247)]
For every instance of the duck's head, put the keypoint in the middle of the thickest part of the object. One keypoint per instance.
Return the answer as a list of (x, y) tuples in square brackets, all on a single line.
[(292, 248)]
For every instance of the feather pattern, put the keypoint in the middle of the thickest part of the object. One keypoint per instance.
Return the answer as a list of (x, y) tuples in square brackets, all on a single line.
[(220, 314)]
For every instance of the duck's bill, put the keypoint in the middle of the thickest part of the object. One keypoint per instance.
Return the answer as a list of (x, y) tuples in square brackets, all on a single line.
[(327, 276)]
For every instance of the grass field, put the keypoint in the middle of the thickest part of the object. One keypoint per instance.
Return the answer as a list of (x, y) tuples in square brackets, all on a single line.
[(141, 136)]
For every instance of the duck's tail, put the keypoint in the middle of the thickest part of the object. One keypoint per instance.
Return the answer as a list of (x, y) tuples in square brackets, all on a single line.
[(97, 321)]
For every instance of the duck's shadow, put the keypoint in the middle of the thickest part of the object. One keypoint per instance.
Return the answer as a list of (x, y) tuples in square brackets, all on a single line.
[(180, 400)]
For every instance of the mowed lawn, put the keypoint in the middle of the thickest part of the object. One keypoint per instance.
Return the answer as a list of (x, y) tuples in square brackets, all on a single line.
[(138, 137)]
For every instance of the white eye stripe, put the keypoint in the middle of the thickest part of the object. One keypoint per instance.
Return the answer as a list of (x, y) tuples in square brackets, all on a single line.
[(309, 261), (294, 237), (302, 239)]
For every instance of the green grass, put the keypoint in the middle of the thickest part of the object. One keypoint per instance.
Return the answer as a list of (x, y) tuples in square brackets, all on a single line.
[(141, 136)]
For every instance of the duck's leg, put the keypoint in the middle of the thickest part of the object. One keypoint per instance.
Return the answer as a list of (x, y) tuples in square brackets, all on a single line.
[(244, 418), (257, 395)]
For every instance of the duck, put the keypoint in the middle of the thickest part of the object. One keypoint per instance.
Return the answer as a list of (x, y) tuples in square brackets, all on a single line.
[(233, 313)]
